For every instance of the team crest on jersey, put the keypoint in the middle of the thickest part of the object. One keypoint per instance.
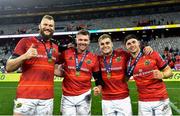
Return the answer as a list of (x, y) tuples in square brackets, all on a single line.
[(70, 58), (88, 61), (118, 59), (18, 105), (147, 62)]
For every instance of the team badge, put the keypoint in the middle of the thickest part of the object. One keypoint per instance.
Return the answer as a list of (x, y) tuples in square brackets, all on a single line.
[(147, 62), (88, 61), (118, 59), (18, 105), (70, 58)]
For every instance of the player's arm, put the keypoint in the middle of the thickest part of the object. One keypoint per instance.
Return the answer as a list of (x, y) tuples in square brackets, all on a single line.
[(164, 74), (15, 61), (98, 82), (164, 71), (167, 72)]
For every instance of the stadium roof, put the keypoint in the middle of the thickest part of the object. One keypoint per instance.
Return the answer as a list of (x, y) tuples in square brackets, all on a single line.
[(8, 7), (22, 11)]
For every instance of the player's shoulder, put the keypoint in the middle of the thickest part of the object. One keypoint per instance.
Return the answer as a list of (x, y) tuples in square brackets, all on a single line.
[(55, 45), (154, 53), (91, 54), (26, 40), (69, 51), (120, 50)]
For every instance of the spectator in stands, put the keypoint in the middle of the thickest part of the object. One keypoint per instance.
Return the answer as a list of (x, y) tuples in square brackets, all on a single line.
[(37, 57), (169, 56), (146, 70)]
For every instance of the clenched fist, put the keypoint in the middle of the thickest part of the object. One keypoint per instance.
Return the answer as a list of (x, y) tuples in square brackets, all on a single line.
[(157, 74)]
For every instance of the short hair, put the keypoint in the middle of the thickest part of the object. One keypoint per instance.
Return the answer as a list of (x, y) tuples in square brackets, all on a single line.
[(83, 32), (48, 17), (130, 36), (104, 36)]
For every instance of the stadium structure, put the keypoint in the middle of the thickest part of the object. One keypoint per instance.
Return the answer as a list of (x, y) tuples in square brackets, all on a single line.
[(156, 22)]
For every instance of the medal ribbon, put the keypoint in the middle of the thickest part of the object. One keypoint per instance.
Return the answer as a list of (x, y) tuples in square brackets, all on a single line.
[(48, 51), (108, 66), (78, 65), (130, 67)]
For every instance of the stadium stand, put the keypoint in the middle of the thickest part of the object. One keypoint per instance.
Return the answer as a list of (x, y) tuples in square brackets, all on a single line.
[(98, 24)]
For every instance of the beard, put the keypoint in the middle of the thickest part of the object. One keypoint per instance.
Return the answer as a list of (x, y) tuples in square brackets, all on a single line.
[(46, 37)]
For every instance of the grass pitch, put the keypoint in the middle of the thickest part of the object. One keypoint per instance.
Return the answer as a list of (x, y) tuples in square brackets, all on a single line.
[(8, 92)]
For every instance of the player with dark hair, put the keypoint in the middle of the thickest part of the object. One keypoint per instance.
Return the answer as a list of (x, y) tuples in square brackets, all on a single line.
[(37, 57), (148, 72), (115, 92), (79, 67)]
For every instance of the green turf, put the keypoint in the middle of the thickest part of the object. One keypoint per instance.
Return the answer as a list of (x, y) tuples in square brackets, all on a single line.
[(8, 89)]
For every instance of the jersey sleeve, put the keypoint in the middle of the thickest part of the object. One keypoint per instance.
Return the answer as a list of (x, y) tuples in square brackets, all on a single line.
[(20, 47), (96, 64), (62, 56), (57, 55), (160, 62)]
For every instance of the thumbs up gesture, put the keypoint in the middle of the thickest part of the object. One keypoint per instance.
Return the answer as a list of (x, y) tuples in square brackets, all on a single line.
[(31, 52)]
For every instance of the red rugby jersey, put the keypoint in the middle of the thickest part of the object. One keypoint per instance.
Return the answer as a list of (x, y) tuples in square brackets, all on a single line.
[(115, 87), (37, 79), (74, 85), (150, 89)]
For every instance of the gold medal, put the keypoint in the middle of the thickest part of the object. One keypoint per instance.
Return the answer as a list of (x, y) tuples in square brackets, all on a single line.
[(77, 73), (108, 75), (50, 60)]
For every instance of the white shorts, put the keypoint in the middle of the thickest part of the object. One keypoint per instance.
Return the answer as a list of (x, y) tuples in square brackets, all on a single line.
[(33, 106), (121, 107), (154, 108), (76, 105)]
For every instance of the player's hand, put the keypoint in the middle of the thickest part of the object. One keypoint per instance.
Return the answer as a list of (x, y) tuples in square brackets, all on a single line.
[(59, 71), (97, 90), (157, 74), (31, 52), (70, 45), (147, 50)]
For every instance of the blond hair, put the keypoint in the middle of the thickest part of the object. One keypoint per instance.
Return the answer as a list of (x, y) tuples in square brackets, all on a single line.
[(104, 36)]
